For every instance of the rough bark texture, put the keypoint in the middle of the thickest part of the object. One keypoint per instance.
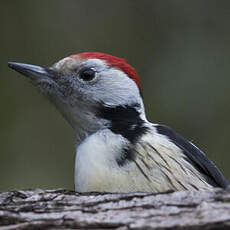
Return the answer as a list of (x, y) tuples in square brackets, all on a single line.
[(61, 209)]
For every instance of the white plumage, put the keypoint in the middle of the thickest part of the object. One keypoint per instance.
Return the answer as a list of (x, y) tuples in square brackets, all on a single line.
[(160, 164)]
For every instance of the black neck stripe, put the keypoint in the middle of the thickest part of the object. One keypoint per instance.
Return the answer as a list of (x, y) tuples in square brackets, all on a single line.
[(125, 120)]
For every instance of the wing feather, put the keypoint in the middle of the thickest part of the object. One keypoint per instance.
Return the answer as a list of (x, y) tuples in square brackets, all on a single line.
[(196, 157)]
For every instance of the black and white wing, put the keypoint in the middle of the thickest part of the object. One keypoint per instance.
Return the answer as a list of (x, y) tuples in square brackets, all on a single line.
[(170, 162)]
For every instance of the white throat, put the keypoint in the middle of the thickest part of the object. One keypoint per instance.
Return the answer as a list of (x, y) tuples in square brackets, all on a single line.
[(96, 161)]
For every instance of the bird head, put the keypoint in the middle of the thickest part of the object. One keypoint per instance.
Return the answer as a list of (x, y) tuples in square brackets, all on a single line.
[(89, 89)]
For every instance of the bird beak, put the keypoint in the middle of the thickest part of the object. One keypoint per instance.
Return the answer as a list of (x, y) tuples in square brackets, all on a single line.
[(32, 71)]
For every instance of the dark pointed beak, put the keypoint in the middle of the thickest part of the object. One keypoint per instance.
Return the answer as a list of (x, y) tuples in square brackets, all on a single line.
[(32, 71)]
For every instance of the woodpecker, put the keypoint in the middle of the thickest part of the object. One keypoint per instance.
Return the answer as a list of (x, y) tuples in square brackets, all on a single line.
[(118, 149)]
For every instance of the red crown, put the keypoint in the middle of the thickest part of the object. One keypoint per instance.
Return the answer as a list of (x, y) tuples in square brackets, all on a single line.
[(115, 62)]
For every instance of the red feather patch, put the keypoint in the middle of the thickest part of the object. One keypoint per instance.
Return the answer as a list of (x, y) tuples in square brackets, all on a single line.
[(113, 61)]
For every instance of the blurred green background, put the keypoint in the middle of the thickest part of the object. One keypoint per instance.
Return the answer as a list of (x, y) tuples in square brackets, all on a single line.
[(181, 50)]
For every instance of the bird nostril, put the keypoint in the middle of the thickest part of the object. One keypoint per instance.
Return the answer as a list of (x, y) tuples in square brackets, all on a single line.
[(52, 73), (45, 85)]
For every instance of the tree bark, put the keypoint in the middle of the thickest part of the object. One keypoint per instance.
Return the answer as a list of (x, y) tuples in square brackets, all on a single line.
[(62, 209)]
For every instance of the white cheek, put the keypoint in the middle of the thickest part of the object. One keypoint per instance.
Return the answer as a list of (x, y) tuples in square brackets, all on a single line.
[(114, 87)]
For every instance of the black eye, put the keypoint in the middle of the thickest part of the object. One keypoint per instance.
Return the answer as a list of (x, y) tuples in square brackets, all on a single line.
[(87, 74)]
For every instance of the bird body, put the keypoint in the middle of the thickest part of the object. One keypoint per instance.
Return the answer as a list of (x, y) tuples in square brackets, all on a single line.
[(118, 149), (158, 165)]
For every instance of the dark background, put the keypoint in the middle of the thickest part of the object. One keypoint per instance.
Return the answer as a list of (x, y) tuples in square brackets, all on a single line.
[(181, 50)]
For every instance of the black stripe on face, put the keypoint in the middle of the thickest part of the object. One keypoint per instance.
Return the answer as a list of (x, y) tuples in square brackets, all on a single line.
[(195, 157), (125, 120)]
